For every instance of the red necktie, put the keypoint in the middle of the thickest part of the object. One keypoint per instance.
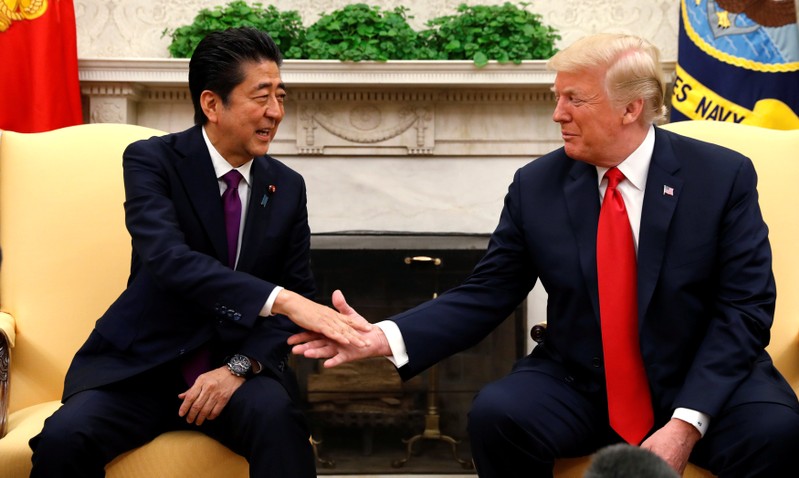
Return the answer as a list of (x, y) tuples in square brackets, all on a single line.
[(629, 400)]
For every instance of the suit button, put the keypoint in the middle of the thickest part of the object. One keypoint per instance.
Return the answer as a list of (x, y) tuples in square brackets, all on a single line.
[(237, 316), (181, 351), (596, 362)]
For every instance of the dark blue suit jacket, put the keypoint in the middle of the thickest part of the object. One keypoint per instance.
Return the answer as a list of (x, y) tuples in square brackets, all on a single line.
[(180, 293), (706, 292)]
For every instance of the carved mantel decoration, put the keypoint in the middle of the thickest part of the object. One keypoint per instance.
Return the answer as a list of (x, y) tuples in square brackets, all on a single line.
[(336, 122)]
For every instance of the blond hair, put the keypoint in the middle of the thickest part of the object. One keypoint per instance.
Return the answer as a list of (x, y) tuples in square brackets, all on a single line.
[(633, 69)]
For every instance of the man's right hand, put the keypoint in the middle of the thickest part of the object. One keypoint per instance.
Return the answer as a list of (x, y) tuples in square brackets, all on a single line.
[(318, 346), (324, 321)]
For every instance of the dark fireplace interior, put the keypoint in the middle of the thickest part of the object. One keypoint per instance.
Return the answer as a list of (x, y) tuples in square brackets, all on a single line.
[(365, 418)]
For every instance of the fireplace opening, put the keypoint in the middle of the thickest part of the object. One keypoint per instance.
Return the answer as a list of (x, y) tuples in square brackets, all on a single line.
[(365, 418)]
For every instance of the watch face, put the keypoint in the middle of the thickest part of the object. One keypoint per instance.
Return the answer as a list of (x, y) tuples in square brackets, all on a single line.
[(239, 364)]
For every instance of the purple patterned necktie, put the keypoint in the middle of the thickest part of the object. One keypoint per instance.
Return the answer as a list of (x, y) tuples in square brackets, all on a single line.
[(199, 361), (232, 206)]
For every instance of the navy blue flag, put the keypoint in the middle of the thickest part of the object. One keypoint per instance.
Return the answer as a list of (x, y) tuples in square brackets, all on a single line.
[(738, 61)]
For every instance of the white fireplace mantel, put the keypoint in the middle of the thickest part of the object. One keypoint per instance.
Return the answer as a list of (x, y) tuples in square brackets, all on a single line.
[(324, 73), (394, 108)]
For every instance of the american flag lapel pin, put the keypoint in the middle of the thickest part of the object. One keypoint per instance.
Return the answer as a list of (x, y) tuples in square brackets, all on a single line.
[(668, 190)]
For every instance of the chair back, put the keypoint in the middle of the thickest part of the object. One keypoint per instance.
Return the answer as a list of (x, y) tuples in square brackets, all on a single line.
[(66, 252)]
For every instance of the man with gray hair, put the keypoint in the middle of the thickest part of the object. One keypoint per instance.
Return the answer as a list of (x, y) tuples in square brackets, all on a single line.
[(656, 260)]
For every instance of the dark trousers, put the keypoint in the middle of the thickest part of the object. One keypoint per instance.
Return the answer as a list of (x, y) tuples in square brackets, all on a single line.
[(260, 422), (521, 423)]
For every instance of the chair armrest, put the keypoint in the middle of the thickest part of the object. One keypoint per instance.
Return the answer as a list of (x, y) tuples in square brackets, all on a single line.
[(7, 337)]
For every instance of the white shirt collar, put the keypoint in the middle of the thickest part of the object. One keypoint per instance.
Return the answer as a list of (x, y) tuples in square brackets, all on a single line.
[(221, 166), (636, 166)]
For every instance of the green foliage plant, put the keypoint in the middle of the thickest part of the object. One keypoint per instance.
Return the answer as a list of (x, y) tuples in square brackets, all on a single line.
[(360, 32), (285, 27), (506, 33)]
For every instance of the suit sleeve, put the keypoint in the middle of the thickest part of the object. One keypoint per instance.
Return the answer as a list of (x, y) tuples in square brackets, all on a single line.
[(743, 306), (463, 316)]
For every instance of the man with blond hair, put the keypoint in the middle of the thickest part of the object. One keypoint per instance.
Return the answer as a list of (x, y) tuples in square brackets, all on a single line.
[(657, 264)]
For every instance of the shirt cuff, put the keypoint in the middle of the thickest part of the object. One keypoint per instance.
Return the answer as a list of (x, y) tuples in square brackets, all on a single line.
[(266, 310), (698, 419), (396, 343)]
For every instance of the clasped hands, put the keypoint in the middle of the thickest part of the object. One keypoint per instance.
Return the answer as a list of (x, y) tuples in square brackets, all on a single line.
[(369, 342), (345, 329)]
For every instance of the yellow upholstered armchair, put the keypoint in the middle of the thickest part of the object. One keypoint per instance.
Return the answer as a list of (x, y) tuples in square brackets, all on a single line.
[(66, 254), (776, 158)]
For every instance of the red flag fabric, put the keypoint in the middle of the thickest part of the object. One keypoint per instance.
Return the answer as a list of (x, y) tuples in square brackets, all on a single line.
[(38, 66)]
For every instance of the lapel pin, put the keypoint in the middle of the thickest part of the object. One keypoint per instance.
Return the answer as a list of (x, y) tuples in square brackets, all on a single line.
[(269, 191), (668, 190)]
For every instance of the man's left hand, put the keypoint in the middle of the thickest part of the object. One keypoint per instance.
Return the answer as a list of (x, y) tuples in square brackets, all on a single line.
[(206, 399), (673, 443)]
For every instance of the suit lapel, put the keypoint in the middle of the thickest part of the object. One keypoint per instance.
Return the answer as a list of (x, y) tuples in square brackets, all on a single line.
[(202, 188), (256, 223), (582, 200), (656, 214)]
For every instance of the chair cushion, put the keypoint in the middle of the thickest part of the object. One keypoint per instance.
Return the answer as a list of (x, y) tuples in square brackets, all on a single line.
[(15, 454), (178, 454)]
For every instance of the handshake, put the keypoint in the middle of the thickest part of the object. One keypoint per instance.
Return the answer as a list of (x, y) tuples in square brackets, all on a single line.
[(339, 337)]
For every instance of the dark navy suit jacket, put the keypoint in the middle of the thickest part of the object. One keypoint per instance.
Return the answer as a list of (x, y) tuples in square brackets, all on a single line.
[(181, 293), (706, 292)]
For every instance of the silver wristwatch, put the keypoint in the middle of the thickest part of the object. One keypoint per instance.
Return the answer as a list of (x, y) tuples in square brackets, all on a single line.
[(239, 365)]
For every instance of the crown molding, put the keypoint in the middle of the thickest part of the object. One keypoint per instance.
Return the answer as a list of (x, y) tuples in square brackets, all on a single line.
[(334, 73)]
